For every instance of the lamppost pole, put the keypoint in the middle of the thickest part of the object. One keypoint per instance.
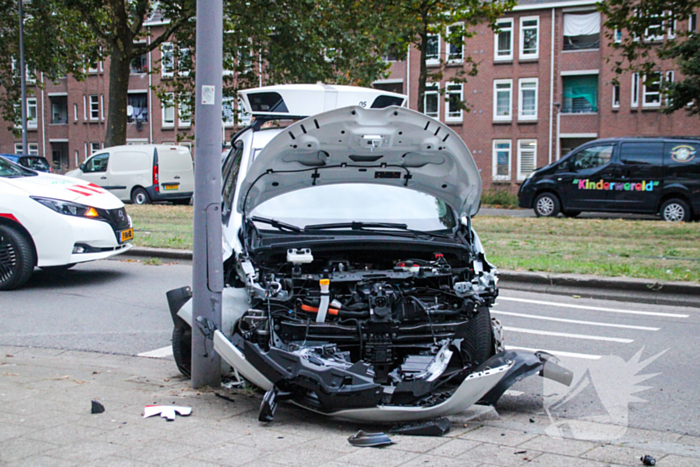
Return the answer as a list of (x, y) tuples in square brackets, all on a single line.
[(23, 79), (207, 265)]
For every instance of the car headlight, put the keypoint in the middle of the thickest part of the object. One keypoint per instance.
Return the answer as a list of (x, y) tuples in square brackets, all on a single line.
[(68, 208)]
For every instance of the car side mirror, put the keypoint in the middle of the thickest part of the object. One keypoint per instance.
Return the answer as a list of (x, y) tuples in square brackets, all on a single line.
[(82, 167)]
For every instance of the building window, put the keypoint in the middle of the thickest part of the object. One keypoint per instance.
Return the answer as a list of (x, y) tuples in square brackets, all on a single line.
[(102, 106), (32, 117), (529, 37), (245, 58), (77, 158), (581, 31), (59, 109), (616, 96), (503, 101), (33, 149), (168, 110), (455, 52), (635, 89), (137, 109), (432, 56), (228, 113), (527, 157), (94, 108), (504, 40), (580, 94), (431, 100), (184, 61), (692, 22), (527, 100), (651, 90), (139, 65), (85, 107), (184, 112), (75, 112), (501, 159), (670, 75), (453, 100), (617, 36), (167, 60), (94, 147)]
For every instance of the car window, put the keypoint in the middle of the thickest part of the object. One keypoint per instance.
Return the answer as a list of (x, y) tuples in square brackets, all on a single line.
[(229, 175), (11, 170), (591, 157), (97, 163), (642, 153), (35, 163), (359, 202)]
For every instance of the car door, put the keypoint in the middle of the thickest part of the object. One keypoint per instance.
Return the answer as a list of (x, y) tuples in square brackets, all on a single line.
[(95, 170), (637, 181), (583, 180)]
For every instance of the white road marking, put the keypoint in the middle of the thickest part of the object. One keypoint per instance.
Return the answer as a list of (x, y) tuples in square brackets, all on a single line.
[(163, 352), (566, 334), (594, 308), (558, 353), (574, 321)]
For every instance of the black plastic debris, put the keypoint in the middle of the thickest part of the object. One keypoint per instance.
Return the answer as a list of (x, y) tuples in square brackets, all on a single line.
[(268, 406), (97, 407), (370, 440), (226, 398), (647, 460), (438, 427)]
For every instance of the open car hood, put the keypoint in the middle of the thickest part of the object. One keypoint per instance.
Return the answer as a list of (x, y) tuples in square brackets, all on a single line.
[(390, 146)]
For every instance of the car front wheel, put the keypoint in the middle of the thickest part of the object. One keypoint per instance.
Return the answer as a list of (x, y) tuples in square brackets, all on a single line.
[(547, 205), (17, 258), (675, 210)]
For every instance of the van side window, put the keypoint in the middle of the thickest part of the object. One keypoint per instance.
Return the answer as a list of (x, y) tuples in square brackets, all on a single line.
[(229, 175), (97, 163), (641, 153), (682, 153), (592, 157)]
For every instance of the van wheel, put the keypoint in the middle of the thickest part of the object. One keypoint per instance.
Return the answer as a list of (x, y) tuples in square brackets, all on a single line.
[(547, 205), (17, 258), (571, 213), (140, 196), (675, 210)]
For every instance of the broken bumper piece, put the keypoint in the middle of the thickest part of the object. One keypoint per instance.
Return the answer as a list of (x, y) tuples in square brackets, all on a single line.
[(351, 393)]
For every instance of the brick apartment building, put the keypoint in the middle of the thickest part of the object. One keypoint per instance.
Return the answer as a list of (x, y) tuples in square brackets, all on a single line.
[(544, 87)]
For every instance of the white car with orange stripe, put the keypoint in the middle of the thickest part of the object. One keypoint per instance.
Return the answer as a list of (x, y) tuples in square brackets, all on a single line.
[(52, 221)]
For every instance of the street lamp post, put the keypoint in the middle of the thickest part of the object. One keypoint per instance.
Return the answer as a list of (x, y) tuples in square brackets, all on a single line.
[(207, 265), (23, 79)]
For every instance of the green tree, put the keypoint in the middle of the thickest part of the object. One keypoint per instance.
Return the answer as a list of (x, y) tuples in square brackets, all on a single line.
[(643, 32)]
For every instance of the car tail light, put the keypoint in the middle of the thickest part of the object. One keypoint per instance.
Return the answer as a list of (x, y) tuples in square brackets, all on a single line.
[(155, 171)]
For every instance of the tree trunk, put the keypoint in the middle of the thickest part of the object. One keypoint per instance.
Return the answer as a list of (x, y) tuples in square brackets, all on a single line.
[(118, 96)]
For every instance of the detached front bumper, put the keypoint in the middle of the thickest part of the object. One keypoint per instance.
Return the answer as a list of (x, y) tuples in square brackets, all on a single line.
[(352, 393)]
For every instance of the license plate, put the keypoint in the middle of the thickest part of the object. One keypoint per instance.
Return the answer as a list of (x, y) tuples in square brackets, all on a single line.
[(126, 235), (170, 186)]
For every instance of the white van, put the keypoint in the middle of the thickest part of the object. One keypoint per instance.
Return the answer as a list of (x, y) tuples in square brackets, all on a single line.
[(141, 174)]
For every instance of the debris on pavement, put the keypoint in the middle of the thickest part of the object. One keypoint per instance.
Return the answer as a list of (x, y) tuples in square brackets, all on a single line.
[(370, 440), (97, 407), (226, 398), (438, 427), (166, 411), (647, 460)]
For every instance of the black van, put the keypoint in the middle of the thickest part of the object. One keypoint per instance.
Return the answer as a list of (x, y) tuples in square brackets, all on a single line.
[(635, 175)]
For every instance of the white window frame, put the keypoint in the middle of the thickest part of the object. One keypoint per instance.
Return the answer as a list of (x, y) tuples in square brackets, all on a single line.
[(163, 72), (523, 55), (451, 116), (94, 112), (77, 157), (180, 52), (85, 108), (164, 107), (645, 93), (616, 96), (502, 118), (430, 89), (228, 101), (500, 58), (86, 151), (635, 90), (669, 78), (181, 105), (434, 61), (659, 37), (18, 148), (521, 112), (523, 176), (494, 158), (32, 123), (102, 106), (692, 22), (448, 45), (33, 149), (75, 112), (617, 35)]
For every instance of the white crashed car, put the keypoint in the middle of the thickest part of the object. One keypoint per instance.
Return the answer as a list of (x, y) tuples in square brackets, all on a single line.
[(356, 286), (52, 221)]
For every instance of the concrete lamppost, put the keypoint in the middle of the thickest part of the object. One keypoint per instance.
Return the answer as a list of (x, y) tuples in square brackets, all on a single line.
[(23, 79)]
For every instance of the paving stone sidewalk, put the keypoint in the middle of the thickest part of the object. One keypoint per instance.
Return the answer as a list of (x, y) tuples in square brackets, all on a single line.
[(45, 419)]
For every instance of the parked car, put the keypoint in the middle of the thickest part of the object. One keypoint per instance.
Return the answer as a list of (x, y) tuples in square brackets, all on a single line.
[(141, 173), (38, 163), (356, 285), (634, 175), (55, 222)]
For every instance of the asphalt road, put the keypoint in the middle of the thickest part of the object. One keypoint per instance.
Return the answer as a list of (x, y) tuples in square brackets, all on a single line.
[(118, 306)]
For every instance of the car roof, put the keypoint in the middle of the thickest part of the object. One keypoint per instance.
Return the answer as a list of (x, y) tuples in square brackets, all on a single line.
[(644, 138)]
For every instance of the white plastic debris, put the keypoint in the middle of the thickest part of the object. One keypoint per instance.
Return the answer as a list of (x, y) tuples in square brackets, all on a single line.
[(166, 411)]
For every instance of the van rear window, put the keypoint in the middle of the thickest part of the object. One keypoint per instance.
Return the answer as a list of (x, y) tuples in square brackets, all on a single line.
[(682, 153)]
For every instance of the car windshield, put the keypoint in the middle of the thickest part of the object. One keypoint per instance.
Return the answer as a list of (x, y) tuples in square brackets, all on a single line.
[(358, 202), (35, 163), (10, 170)]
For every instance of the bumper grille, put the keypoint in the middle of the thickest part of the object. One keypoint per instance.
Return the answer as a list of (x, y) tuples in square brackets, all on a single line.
[(117, 218)]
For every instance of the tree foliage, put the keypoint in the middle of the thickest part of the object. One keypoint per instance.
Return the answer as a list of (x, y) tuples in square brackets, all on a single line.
[(642, 33)]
